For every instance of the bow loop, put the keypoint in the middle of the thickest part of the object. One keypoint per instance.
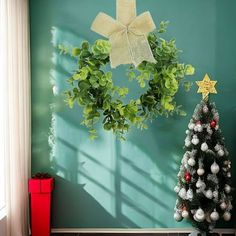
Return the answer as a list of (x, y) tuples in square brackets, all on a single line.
[(142, 24), (105, 25)]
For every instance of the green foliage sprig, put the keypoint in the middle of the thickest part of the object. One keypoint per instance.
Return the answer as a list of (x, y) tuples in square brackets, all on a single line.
[(92, 87)]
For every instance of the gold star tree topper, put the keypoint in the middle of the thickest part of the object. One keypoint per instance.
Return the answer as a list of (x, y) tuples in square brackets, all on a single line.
[(206, 86)]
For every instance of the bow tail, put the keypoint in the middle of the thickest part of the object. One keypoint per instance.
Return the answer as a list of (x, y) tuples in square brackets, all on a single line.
[(140, 49), (121, 51)]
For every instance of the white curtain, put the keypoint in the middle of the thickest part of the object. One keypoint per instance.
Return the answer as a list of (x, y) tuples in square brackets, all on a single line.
[(15, 110)]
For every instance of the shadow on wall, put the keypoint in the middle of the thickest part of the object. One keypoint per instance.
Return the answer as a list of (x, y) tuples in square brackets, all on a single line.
[(107, 183)]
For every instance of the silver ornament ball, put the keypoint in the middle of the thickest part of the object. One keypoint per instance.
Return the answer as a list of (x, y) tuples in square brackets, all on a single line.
[(200, 215), (177, 216), (185, 214), (209, 194), (215, 168), (204, 147), (227, 216), (182, 193), (195, 141), (223, 205), (191, 126), (200, 171), (227, 188), (191, 161), (217, 147), (214, 215), (215, 194), (221, 153)]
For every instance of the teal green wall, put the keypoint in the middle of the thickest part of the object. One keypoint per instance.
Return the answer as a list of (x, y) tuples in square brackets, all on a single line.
[(106, 183)]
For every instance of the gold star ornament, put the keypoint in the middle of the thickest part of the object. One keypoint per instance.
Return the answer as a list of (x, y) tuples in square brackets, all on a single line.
[(206, 86)]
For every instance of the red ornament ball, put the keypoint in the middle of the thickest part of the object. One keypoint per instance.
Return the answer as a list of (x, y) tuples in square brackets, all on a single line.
[(187, 176), (213, 124)]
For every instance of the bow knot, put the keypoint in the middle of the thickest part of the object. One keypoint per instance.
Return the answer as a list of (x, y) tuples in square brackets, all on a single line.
[(127, 34)]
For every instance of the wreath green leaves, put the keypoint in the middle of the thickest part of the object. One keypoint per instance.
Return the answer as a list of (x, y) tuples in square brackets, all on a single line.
[(92, 87)]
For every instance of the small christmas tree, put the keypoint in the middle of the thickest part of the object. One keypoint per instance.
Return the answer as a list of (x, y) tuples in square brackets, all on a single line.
[(203, 189)]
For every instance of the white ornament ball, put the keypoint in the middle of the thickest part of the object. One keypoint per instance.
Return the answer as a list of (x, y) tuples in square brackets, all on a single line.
[(200, 171), (177, 216), (204, 147), (185, 214), (185, 158), (209, 130), (195, 141), (229, 175), (191, 126), (209, 194), (215, 194), (215, 168), (227, 216), (227, 188), (187, 131), (205, 109), (191, 161), (226, 163), (214, 215), (200, 184), (200, 215), (217, 147), (221, 153), (176, 189), (187, 143), (216, 116), (187, 138), (183, 193), (198, 128), (223, 205), (190, 194)]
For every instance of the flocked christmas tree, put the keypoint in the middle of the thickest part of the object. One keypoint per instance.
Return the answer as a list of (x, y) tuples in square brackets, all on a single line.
[(203, 189)]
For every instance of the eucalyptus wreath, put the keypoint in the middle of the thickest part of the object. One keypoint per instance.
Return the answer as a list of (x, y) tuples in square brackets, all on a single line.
[(93, 89)]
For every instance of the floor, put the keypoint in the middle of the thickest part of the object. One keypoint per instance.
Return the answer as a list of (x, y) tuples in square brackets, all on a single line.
[(122, 234), (141, 234)]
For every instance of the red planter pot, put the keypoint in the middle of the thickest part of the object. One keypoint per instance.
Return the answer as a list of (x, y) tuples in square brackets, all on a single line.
[(40, 205)]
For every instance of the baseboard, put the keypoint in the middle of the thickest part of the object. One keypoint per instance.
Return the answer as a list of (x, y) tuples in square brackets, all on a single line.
[(137, 231)]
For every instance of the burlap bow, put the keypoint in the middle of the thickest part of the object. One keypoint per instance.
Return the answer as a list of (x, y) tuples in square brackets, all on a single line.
[(127, 34)]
